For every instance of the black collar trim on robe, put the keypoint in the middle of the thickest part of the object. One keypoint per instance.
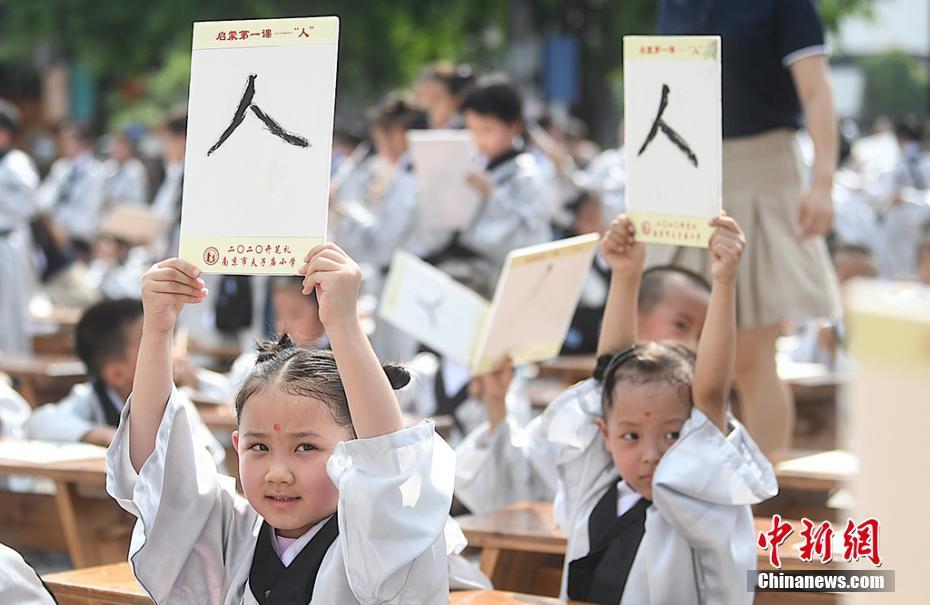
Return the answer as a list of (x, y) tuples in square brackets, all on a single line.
[(601, 576), (445, 405), (274, 584), (110, 413), (503, 158)]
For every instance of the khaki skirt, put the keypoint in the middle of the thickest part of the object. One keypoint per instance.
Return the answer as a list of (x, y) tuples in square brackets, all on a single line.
[(780, 276)]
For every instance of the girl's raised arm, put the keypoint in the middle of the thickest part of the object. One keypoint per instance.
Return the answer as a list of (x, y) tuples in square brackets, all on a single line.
[(716, 354), (372, 402), (166, 288), (626, 258)]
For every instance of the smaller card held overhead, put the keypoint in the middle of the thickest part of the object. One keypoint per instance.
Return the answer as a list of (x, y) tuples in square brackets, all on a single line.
[(442, 160), (534, 302), (531, 313), (260, 126), (673, 132), (432, 307)]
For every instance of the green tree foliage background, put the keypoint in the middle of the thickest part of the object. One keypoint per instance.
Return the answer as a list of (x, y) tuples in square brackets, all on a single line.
[(138, 52)]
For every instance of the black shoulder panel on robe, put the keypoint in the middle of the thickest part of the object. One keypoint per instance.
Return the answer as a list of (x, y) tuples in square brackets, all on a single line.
[(274, 584), (601, 576)]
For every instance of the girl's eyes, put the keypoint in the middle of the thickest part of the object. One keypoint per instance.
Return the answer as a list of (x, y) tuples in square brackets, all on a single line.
[(671, 436), (305, 447), (258, 447)]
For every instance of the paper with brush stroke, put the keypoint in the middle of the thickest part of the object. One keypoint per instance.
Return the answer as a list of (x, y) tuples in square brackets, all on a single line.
[(674, 165), (258, 183)]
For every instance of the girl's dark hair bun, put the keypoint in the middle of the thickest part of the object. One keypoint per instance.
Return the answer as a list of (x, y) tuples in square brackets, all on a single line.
[(397, 375), (268, 349)]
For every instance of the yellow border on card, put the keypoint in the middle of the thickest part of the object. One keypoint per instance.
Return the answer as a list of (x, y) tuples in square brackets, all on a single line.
[(265, 32), (395, 278), (572, 245), (694, 231), (526, 355), (263, 255), (672, 48)]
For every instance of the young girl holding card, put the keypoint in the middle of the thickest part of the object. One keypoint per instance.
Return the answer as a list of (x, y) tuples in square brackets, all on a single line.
[(342, 504), (656, 479)]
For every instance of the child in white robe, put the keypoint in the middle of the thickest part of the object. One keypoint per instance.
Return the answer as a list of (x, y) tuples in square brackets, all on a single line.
[(342, 504), (502, 462), (18, 182), (655, 478), (107, 339)]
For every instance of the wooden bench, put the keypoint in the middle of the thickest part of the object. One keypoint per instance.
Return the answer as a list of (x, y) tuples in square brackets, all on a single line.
[(522, 549), (78, 518), (115, 585)]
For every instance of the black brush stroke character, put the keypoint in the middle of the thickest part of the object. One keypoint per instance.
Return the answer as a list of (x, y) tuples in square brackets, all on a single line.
[(273, 127), (673, 136), (431, 308)]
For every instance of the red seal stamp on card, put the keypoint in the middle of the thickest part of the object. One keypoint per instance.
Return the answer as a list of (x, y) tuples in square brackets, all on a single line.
[(211, 255)]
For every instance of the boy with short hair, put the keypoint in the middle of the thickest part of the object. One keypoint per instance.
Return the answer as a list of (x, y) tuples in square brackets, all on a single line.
[(107, 339)]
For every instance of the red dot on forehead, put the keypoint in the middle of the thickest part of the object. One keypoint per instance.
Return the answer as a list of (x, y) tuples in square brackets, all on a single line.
[(647, 414), (277, 427)]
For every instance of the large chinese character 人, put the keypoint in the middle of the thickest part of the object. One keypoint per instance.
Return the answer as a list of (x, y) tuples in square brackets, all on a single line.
[(245, 104), (674, 137), (774, 538)]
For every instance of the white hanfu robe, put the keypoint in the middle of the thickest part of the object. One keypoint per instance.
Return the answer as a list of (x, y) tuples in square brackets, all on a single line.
[(440, 387), (195, 536), (19, 583), (517, 213), (699, 537), (18, 183)]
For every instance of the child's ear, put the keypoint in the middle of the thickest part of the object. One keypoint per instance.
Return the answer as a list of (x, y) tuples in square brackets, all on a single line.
[(235, 440), (602, 427)]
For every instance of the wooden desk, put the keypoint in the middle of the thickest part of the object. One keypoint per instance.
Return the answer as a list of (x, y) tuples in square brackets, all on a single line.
[(105, 585), (115, 585), (79, 518), (43, 378), (569, 369), (220, 356), (816, 471)]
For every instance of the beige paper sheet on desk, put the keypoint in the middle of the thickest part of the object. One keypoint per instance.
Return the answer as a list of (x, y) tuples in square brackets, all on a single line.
[(889, 326), (259, 138), (673, 129), (532, 309)]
